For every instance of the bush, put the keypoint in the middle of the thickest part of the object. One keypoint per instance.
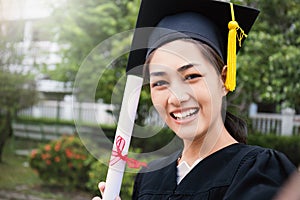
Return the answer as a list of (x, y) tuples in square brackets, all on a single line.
[(159, 138), (53, 121), (62, 162), (289, 145)]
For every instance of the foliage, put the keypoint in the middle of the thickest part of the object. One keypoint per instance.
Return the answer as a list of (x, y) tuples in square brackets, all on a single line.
[(289, 145), (17, 91), (62, 162), (42, 120), (151, 139), (17, 87), (268, 64), (84, 25), (51, 121)]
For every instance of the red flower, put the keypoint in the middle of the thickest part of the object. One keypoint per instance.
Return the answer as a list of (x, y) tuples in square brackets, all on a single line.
[(48, 162), (45, 156), (47, 147), (57, 159), (33, 153), (57, 147), (69, 153)]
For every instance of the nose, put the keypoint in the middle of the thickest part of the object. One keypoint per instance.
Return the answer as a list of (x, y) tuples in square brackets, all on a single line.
[(178, 96)]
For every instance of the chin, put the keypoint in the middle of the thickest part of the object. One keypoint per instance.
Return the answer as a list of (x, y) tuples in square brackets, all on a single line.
[(189, 133)]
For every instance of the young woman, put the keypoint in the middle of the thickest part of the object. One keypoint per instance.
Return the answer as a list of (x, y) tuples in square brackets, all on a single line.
[(187, 87), (190, 74)]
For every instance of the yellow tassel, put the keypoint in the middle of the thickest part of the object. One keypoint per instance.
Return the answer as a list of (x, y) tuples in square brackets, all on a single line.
[(233, 27)]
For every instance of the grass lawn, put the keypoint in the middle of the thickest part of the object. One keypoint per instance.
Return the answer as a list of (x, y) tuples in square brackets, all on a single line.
[(18, 178), (15, 170)]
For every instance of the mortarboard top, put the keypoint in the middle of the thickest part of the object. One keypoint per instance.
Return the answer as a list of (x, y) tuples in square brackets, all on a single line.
[(204, 20)]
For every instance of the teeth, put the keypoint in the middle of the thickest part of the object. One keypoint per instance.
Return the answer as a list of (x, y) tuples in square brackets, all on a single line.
[(181, 115)]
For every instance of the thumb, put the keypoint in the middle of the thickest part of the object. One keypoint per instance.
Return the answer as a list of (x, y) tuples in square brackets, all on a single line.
[(101, 187), (96, 198)]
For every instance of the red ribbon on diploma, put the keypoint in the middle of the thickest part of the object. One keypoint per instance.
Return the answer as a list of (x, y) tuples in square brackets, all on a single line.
[(132, 163)]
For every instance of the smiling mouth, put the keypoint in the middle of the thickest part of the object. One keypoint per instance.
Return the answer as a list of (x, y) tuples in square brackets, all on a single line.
[(185, 114)]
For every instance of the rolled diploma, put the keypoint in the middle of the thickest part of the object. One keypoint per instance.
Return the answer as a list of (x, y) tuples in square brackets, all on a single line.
[(124, 129)]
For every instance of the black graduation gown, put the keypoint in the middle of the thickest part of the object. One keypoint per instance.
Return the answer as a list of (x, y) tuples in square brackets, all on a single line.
[(235, 172)]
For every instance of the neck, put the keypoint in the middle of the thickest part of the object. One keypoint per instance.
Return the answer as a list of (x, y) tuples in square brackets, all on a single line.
[(206, 145)]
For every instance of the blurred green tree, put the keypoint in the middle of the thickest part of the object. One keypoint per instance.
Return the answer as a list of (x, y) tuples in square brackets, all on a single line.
[(79, 28), (269, 63), (17, 87)]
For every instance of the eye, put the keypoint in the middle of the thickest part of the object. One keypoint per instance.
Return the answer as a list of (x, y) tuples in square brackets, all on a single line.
[(192, 76), (159, 83)]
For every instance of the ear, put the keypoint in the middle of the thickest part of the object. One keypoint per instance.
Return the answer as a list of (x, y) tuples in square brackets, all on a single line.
[(223, 77)]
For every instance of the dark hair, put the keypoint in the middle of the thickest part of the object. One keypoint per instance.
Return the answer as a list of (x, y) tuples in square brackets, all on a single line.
[(234, 125)]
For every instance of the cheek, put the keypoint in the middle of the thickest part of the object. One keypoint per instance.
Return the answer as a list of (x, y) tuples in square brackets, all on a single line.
[(153, 96), (156, 101), (202, 92), (214, 87), (208, 95), (158, 104), (159, 101), (212, 96)]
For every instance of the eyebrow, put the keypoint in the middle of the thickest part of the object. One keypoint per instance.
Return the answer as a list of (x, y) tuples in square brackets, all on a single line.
[(185, 67), (180, 69), (157, 73)]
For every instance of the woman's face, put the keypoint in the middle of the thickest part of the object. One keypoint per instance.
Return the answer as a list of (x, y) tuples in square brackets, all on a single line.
[(186, 90)]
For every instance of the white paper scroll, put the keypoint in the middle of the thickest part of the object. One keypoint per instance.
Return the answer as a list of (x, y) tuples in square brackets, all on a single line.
[(123, 136)]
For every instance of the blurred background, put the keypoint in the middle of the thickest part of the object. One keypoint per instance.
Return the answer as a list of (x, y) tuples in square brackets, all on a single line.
[(42, 46)]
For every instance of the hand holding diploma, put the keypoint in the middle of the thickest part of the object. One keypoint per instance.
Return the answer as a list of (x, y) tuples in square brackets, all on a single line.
[(101, 187)]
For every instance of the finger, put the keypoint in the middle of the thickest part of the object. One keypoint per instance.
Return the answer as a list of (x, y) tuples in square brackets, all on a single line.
[(118, 198), (101, 187), (96, 198)]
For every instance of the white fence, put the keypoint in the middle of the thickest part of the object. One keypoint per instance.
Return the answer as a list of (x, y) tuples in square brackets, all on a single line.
[(286, 123), (64, 110), (41, 132)]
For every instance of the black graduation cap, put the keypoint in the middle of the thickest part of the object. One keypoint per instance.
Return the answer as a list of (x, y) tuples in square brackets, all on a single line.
[(221, 25)]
